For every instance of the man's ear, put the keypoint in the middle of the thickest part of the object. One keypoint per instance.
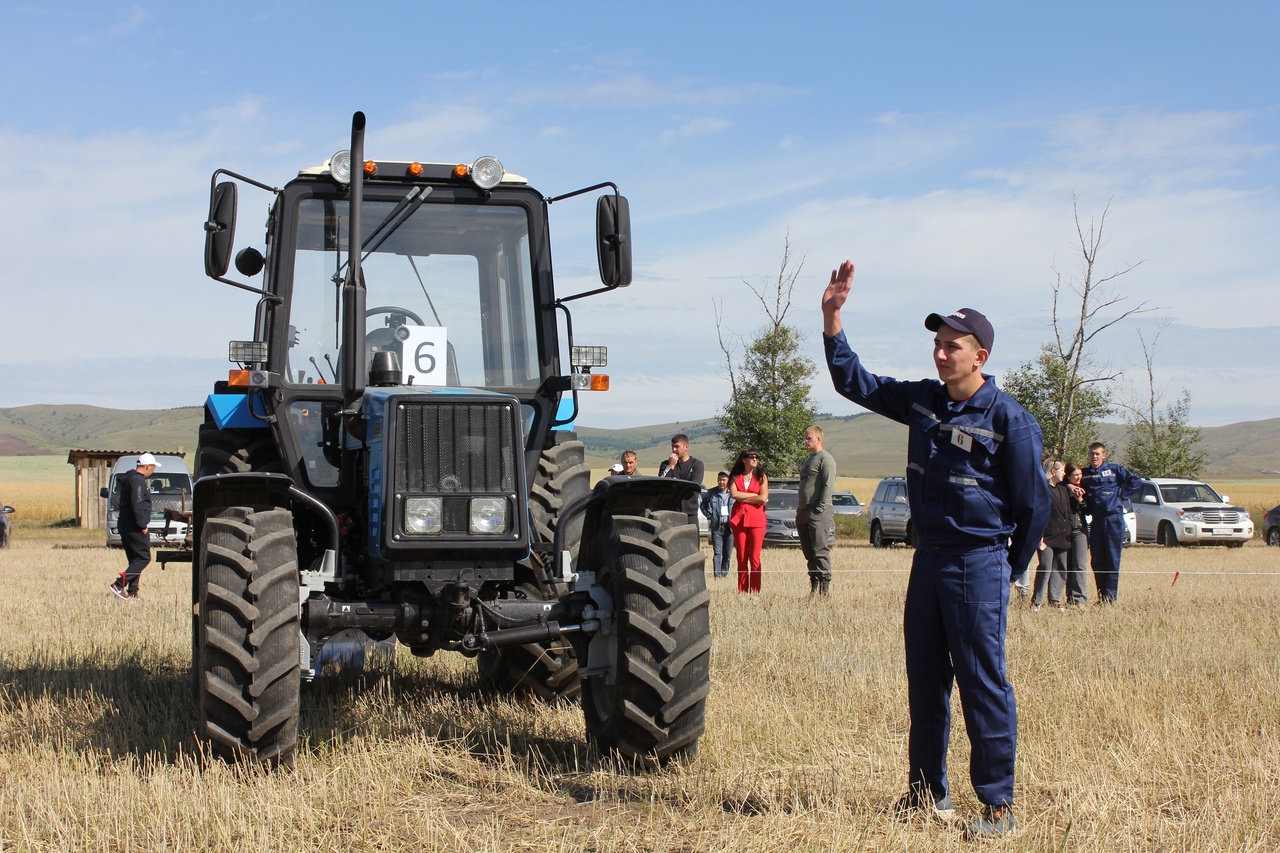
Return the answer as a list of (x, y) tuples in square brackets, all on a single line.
[(980, 357)]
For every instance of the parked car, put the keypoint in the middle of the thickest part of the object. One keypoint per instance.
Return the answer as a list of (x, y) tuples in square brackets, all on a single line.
[(1187, 512), (170, 486), (1271, 527), (6, 526), (889, 515), (780, 518), (844, 503)]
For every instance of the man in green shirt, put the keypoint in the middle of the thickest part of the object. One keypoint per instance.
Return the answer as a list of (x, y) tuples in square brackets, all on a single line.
[(814, 512)]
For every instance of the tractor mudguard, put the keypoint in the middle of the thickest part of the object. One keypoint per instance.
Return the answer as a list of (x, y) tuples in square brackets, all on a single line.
[(631, 496), (251, 488)]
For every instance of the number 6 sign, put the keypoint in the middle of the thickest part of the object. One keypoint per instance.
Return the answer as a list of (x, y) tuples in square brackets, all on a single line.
[(425, 354)]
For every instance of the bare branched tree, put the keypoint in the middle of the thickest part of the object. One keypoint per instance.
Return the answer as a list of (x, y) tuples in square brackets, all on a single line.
[(1066, 387), (1158, 441), (769, 404)]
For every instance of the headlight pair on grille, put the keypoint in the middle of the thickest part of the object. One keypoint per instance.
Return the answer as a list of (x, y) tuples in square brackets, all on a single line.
[(426, 515)]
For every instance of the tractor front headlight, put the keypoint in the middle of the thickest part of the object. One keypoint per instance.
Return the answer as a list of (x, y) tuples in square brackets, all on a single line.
[(423, 515), (488, 515)]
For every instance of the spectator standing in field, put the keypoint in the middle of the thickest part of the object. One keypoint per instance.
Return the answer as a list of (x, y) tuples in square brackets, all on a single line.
[(1055, 545), (682, 466), (1106, 485), (814, 511), (749, 488), (629, 461), (715, 506), (1077, 580), (135, 515), (979, 502)]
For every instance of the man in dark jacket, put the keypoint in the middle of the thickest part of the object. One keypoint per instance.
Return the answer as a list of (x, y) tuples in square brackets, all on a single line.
[(135, 515), (715, 506), (682, 466), (979, 503)]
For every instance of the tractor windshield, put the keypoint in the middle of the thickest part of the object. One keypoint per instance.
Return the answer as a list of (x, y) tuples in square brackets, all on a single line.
[(449, 290)]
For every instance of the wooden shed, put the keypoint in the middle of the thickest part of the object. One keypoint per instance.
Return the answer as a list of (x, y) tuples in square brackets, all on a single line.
[(93, 472)]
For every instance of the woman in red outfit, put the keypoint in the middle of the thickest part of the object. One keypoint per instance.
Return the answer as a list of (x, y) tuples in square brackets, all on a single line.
[(749, 488)]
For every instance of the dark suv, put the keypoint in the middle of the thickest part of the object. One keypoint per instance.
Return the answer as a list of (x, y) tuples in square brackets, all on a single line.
[(889, 515)]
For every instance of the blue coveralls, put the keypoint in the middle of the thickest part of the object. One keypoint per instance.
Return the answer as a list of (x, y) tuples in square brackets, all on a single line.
[(1105, 489), (974, 483)]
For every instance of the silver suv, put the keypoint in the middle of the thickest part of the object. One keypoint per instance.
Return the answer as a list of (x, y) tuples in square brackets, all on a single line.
[(889, 515), (1188, 512)]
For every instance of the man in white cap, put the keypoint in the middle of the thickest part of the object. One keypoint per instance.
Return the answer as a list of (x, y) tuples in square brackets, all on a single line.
[(135, 515)]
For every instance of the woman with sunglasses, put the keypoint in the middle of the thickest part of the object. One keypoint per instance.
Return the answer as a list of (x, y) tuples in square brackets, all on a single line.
[(749, 488)]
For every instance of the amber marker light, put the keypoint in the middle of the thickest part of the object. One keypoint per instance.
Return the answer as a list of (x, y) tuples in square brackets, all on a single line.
[(460, 170), (370, 167), (599, 382), (238, 378), (415, 169)]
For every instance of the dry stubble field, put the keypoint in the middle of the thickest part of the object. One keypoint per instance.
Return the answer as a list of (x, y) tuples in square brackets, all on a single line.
[(1153, 725)]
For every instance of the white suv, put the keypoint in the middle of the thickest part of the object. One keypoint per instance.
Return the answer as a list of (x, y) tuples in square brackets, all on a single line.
[(1188, 512)]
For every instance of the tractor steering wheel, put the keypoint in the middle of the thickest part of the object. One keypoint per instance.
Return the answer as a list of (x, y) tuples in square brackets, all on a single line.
[(388, 338)]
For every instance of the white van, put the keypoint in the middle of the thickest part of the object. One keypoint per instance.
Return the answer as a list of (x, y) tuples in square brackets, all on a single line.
[(170, 486)]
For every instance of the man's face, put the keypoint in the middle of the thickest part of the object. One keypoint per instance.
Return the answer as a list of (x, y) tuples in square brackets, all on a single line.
[(146, 470), (628, 464), (956, 355), (812, 442), (680, 448), (1097, 456), (722, 482)]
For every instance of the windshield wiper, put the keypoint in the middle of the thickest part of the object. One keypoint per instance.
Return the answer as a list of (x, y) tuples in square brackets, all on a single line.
[(397, 217)]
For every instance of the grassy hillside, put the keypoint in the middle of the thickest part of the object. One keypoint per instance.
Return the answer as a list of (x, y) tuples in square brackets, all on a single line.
[(62, 428), (864, 445)]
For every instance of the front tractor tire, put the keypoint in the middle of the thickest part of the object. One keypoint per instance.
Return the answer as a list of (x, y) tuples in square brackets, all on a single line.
[(649, 705), (248, 643)]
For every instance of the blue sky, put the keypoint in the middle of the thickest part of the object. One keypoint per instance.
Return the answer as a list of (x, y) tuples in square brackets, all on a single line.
[(938, 145)]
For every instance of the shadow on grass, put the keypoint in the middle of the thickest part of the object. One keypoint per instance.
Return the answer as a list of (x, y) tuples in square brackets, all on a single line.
[(142, 706)]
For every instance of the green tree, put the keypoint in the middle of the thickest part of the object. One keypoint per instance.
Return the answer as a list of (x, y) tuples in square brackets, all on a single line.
[(1158, 440), (769, 406), (1068, 420)]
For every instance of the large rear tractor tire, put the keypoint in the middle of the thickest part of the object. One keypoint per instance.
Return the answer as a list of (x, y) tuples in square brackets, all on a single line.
[(248, 639), (236, 451), (649, 705), (548, 671)]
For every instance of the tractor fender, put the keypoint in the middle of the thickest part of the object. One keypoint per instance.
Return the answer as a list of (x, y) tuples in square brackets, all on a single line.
[(626, 496), (254, 488)]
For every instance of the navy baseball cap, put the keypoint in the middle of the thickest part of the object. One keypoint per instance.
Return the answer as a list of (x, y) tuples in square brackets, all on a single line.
[(965, 320)]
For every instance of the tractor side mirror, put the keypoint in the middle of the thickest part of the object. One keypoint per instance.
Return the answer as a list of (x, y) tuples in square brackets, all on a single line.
[(613, 240), (220, 230)]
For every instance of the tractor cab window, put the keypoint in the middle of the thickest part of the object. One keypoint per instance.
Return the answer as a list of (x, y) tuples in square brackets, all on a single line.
[(449, 290)]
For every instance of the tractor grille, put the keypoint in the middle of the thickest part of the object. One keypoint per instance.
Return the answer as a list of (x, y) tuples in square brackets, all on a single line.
[(1219, 516), (458, 449)]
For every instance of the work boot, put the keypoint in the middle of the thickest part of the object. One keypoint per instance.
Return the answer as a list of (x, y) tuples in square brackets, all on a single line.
[(920, 802), (813, 586), (824, 587), (996, 822)]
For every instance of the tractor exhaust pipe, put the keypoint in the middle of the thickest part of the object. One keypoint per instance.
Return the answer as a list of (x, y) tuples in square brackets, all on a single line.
[(353, 292)]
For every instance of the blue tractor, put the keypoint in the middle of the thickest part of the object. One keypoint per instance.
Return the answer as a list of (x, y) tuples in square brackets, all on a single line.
[(393, 455)]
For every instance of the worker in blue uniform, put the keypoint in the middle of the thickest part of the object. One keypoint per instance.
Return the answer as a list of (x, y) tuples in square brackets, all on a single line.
[(1106, 485), (979, 503)]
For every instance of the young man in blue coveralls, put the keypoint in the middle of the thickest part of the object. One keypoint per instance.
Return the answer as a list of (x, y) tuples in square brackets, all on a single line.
[(1106, 485), (979, 502)]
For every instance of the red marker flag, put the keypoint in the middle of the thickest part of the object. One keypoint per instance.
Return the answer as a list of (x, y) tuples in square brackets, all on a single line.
[(1175, 577)]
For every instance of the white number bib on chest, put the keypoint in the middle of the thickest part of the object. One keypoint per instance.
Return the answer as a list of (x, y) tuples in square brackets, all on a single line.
[(962, 440)]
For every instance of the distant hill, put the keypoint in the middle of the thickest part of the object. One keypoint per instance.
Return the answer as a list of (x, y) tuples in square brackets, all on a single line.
[(57, 429), (864, 445)]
